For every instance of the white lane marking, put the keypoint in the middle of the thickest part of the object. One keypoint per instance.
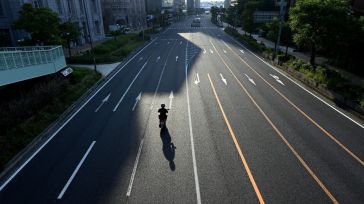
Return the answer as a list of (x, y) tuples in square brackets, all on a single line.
[(158, 58), (211, 51), (223, 79), (122, 98), (137, 99), (141, 58), (102, 102), (198, 79), (160, 77), (176, 58), (198, 195), (204, 51), (242, 51), (170, 99), (134, 169), (168, 43), (180, 43), (314, 95), (224, 51), (75, 171), (250, 79), (70, 118), (227, 45), (277, 79)]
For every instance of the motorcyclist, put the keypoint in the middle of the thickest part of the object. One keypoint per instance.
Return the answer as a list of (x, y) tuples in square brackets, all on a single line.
[(163, 112)]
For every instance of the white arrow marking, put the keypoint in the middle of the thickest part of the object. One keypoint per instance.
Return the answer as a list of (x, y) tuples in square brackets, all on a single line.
[(176, 58), (137, 99), (250, 79), (198, 80), (224, 51), (211, 51), (170, 99), (204, 51), (158, 58), (223, 79), (242, 51), (277, 79), (102, 103), (141, 58)]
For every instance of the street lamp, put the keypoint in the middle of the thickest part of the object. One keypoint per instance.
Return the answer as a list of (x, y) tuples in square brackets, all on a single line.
[(280, 25), (68, 44)]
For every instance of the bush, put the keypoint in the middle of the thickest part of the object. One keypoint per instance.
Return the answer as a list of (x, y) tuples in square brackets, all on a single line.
[(260, 47), (113, 50), (31, 106)]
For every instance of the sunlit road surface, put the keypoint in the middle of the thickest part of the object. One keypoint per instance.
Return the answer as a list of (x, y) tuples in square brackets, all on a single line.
[(238, 131)]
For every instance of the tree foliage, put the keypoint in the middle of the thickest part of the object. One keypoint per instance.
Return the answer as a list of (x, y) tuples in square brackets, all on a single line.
[(41, 23), (247, 19), (317, 24), (69, 31)]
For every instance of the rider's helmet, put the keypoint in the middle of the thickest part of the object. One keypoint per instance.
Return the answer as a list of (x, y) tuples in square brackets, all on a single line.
[(162, 105)]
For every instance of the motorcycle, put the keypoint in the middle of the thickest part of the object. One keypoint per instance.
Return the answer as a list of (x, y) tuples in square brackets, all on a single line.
[(162, 121)]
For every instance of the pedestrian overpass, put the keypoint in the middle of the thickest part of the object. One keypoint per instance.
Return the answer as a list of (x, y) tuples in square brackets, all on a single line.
[(23, 63)]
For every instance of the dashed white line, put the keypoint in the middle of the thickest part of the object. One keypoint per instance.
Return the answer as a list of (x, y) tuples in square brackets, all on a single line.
[(75, 171), (121, 99), (134, 169)]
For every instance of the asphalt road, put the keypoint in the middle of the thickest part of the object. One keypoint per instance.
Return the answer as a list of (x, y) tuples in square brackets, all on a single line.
[(242, 132)]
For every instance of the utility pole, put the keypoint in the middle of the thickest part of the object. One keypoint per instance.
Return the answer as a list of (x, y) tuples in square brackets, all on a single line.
[(281, 16), (89, 35)]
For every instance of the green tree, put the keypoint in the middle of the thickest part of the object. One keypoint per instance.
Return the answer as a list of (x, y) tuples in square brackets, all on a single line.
[(316, 23), (69, 33), (247, 19), (272, 31), (41, 23)]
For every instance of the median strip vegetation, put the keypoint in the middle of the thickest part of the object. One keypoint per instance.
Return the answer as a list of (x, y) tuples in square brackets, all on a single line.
[(115, 49), (28, 108)]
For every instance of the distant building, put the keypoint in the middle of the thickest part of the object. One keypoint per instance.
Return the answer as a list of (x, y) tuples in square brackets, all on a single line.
[(72, 10), (190, 6), (197, 4), (264, 16), (8, 14), (167, 3), (153, 6), (76, 12), (227, 3), (178, 5), (124, 13)]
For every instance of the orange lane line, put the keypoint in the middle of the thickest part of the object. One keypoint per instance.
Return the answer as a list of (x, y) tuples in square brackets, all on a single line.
[(295, 153), (306, 115), (246, 166)]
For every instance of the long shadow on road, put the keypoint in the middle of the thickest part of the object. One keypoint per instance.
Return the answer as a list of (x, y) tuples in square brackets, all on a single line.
[(168, 147)]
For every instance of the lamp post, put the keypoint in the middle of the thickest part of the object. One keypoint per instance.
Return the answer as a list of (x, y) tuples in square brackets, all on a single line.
[(89, 35), (68, 44), (280, 25)]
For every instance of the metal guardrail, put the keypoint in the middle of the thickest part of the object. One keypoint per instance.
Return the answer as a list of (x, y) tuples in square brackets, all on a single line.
[(19, 57)]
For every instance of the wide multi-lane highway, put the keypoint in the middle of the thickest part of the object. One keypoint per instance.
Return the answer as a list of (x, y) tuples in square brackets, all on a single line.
[(242, 132)]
